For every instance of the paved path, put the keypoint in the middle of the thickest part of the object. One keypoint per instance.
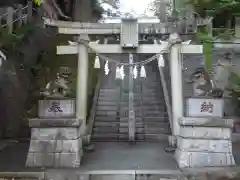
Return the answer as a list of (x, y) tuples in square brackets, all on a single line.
[(107, 156)]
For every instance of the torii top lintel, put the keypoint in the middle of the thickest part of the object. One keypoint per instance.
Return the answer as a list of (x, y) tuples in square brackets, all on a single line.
[(128, 29), (145, 26)]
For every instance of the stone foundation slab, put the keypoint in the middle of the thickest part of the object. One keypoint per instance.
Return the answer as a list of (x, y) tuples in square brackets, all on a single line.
[(55, 146), (204, 145), (203, 159), (205, 132), (67, 160)]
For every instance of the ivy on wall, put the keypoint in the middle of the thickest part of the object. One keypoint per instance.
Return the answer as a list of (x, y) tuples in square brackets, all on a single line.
[(206, 41), (10, 42)]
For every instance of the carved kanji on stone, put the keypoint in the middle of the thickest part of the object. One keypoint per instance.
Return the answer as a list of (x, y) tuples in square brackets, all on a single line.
[(206, 107), (55, 107)]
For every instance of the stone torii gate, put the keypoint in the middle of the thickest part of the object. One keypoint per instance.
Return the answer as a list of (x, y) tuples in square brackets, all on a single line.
[(129, 31)]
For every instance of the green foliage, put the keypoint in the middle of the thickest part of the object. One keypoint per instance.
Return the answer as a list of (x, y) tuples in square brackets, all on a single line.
[(97, 6), (214, 7), (206, 41), (208, 55), (9, 42), (234, 85)]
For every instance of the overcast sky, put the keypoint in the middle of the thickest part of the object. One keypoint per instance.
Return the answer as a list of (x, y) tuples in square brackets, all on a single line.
[(137, 5)]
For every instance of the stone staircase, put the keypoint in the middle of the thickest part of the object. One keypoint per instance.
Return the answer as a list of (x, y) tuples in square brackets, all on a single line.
[(111, 118)]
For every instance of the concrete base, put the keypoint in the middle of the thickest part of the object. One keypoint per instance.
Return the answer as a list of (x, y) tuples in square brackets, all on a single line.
[(187, 159), (204, 142), (75, 174), (59, 146)]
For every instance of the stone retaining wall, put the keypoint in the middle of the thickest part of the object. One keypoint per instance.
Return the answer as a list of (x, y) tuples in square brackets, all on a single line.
[(55, 143), (196, 174), (204, 142), (15, 84)]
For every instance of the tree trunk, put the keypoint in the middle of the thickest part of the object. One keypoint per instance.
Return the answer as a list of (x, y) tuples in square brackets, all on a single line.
[(82, 10)]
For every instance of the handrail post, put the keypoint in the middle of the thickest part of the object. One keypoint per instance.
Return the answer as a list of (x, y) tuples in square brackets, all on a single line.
[(29, 11), (10, 12), (131, 113), (19, 15)]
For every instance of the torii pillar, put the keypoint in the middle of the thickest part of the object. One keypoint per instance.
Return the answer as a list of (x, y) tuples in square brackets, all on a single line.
[(82, 81)]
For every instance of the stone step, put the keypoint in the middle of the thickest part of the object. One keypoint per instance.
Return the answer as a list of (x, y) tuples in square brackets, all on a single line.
[(156, 137), (106, 94), (107, 108), (117, 130), (139, 94), (125, 106), (152, 113), (124, 136), (111, 177), (121, 104), (156, 124), (144, 98), (148, 113), (142, 90), (126, 130), (146, 103), (105, 113), (109, 86), (143, 87), (106, 118), (108, 98), (126, 119), (148, 96), (114, 136), (147, 119), (104, 129), (148, 100), (146, 130), (157, 130), (107, 103), (146, 108), (105, 90), (138, 123), (115, 124)]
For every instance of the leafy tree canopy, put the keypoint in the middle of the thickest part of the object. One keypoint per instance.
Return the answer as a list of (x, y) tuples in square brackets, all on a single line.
[(214, 7)]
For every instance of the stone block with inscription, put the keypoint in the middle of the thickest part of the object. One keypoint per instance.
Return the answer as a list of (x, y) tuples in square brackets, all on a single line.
[(204, 136), (56, 135), (56, 108), (205, 107)]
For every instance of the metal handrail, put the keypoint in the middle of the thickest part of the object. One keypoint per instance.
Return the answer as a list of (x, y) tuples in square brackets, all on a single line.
[(24, 16), (166, 97), (89, 128)]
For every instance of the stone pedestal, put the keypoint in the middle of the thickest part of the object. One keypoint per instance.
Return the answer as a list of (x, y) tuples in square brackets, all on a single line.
[(204, 142), (56, 141)]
